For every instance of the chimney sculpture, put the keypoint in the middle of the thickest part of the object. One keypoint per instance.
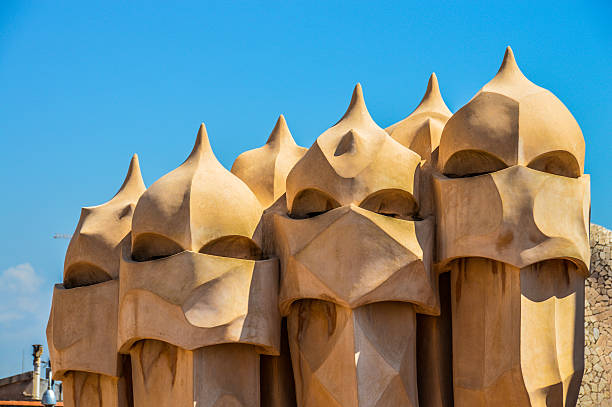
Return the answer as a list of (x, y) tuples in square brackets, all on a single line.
[(422, 129), (421, 132), (265, 169), (198, 302), (356, 266), (82, 329), (37, 351), (330, 276), (513, 229)]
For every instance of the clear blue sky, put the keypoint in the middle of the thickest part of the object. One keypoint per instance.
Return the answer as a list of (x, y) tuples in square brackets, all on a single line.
[(84, 85)]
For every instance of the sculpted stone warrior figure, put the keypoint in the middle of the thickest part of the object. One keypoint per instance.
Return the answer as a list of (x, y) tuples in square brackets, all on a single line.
[(356, 266), (197, 301), (513, 229), (421, 132), (439, 262), (265, 169), (82, 329)]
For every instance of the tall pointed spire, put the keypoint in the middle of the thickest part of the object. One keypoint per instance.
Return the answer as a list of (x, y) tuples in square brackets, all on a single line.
[(432, 100), (280, 135), (133, 185), (196, 202), (202, 146), (355, 129), (100, 230), (421, 130), (509, 79), (357, 109), (509, 69), (265, 169), (509, 63)]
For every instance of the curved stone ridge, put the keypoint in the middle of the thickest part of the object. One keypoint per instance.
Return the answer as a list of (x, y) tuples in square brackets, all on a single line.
[(422, 129), (93, 253), (265, 169), (512, 121), (196, 203), (350, 162)]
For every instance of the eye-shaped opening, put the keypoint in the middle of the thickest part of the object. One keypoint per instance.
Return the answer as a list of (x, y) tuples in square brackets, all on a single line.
[(469, 163), (557, 162), (84, 274), (312, 202), (125, 211), (394, 203), (150, 246), (235, 246)]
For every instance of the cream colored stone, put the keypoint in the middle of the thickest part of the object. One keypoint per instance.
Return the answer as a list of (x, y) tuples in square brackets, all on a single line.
[(198, 303), (517, 215), (512, 223), (265, 169), (391, 262), (92, 390), (82, 328), (524, 347), (199, 300), (439, 263), (354, 357), (421, 132), (351, 163), (94, 250), (356, 267), (193, 206), (509, 122), (422, 129)]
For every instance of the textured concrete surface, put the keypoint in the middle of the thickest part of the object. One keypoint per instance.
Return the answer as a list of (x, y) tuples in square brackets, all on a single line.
[(595, 390)]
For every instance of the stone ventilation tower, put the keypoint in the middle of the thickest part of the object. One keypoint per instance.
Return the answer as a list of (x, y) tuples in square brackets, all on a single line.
[(439, 262), (82, 329), (513, 230)]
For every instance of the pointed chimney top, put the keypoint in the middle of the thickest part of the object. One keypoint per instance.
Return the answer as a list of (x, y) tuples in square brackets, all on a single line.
[(202, 146), (509, 64), (357, 109), (133, 185), (509, 79), (432, 100), (280, 135)]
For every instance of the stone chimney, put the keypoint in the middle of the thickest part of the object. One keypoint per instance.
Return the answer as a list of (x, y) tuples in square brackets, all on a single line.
[(37, 351)]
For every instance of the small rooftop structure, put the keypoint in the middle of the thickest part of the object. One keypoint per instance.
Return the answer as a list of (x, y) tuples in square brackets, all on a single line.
[(26, 389)]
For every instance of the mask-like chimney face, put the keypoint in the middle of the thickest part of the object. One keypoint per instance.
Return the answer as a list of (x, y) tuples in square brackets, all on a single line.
[(352, 239), (196, 277), (82, 328), (513, 159), (512, 208), (422, 129), (193, 206), (517, 215), (192, 250), (354, 162), (265, 169), (512, 121), (93, 253)]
